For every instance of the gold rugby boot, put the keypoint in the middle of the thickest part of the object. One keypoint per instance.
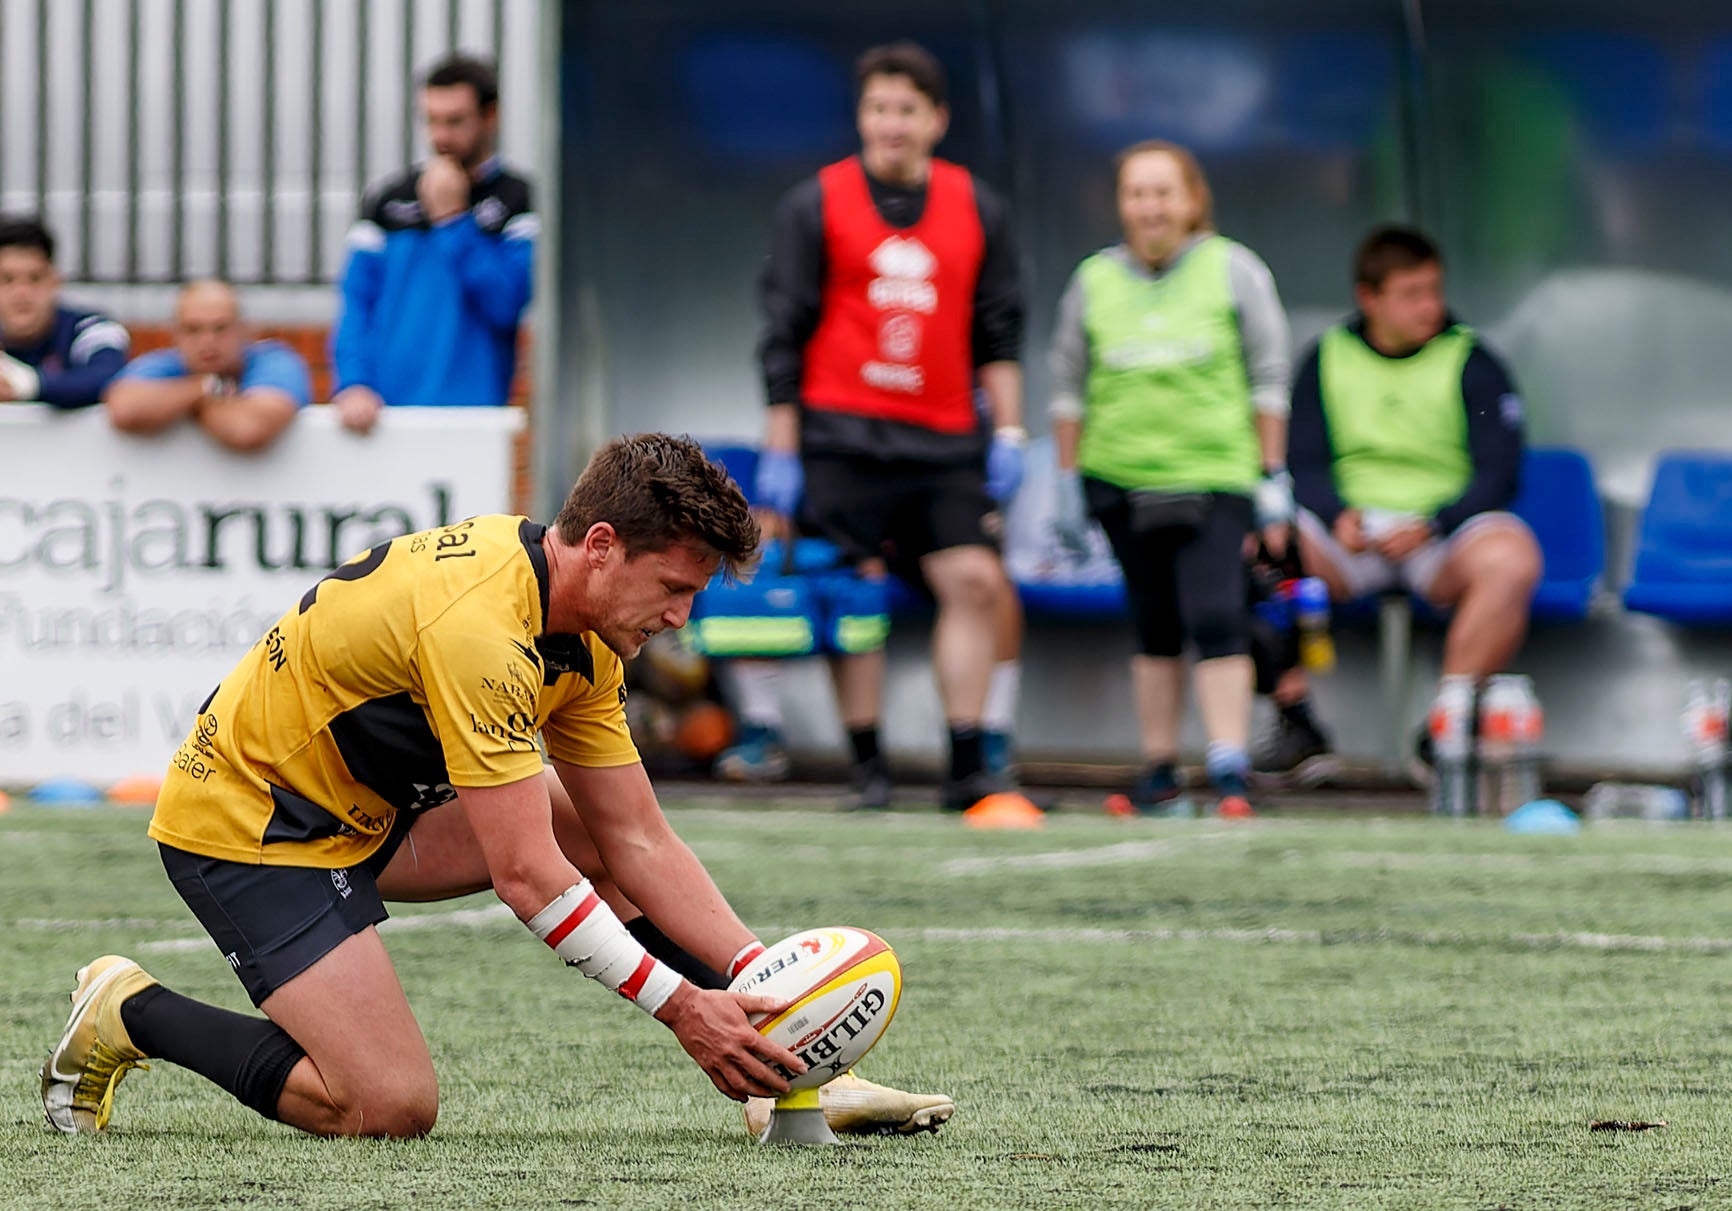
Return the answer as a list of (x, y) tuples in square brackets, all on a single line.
[(81, 1074)]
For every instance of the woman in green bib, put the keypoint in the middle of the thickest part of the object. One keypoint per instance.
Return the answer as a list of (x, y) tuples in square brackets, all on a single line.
[(1169, 409)]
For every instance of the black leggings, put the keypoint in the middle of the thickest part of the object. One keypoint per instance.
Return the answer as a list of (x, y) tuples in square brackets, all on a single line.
[(1183, 582)]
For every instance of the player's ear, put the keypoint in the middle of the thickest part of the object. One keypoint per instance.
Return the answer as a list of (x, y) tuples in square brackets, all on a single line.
[(598, 542)]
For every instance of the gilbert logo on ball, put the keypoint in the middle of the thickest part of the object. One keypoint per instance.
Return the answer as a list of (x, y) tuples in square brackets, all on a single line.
[(843, 986)]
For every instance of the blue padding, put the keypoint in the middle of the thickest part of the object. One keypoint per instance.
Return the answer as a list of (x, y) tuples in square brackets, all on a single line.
[(1088, 601), (1684, 556), (1560, 503)]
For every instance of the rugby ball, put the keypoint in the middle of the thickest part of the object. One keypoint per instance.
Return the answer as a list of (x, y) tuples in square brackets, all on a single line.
[(843, 984)]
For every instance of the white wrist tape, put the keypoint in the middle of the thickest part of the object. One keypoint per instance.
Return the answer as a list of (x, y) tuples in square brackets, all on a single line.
[(588, 936), (751, 950)]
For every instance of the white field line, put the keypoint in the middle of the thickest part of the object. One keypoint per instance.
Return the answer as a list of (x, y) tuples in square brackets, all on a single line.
[(59, 924), (469, 918), (1269, 936), (1071, 859), (1636, 864), (1335, 937)]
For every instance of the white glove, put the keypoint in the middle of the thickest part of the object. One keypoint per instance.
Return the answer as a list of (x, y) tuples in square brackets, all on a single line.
[(23, 380), (1274, 499), (1070, 520)]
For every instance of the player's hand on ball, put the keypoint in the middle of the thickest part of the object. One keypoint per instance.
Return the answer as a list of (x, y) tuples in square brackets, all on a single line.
[(714, 1029)]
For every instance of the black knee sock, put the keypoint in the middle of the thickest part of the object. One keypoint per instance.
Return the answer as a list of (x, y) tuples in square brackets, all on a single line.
[(668, 951), (249, 1057), (965, 758), (865, 742)]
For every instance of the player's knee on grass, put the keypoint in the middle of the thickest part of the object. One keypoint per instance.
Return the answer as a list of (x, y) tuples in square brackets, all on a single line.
[(405, 1113)]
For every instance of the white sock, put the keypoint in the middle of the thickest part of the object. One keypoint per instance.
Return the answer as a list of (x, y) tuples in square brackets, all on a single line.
[(1002, 695), (757, 692)]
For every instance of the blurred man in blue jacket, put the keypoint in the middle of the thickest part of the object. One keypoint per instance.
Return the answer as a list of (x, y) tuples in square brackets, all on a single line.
[(440, 264), (49, 352)]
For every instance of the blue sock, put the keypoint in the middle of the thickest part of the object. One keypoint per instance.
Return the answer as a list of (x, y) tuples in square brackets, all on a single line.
[(1227, 762)]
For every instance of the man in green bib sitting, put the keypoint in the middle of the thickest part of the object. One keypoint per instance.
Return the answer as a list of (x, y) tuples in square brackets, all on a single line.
[(1405, 445)]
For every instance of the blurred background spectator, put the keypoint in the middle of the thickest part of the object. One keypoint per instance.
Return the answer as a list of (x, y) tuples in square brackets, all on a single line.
[(1406, 451), (890, 291), (49, 352), (440, 264), (242, 392), (1169, 364)]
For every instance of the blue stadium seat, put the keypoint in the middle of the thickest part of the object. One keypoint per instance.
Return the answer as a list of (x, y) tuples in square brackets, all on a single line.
[(1561, 504), (1684, 557), (740, 461)]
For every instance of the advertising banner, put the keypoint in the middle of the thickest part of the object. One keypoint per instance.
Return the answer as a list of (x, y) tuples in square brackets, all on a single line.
[(135, 571)]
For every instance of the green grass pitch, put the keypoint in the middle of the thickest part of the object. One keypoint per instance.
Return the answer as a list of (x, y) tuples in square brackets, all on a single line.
[(1302, 1012)]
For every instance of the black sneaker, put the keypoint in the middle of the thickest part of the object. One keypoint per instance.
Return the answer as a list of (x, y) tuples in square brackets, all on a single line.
[(873, 789), (1294, 751), (960, 794), (1156, 791)]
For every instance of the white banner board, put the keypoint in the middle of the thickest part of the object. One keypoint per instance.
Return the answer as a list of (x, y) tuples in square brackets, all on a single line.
[(135, 571)]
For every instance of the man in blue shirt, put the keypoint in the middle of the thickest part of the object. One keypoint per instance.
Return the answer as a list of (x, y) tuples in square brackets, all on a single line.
[(440, 264), (241, 391), (51, 353)]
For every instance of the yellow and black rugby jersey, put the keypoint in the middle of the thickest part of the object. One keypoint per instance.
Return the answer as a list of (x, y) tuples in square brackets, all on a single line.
[(416, 667)]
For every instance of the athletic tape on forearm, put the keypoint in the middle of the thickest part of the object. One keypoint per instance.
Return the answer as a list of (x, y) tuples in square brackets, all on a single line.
[(748, 952), (585, 933)]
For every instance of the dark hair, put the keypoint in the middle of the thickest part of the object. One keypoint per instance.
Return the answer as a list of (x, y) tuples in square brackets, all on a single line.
[(657, 490), (26, 231), (1390, 249), (478, 73), (901, 59), (1189, 169)]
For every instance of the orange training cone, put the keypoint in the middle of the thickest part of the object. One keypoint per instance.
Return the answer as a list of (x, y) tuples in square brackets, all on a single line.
[(5, 802), (1235, 807), (1006, 809), (140, 790)]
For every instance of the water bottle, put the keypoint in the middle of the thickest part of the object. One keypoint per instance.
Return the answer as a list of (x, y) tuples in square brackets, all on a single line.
[(1626, 800), (1452, 750), (1527, 767), (1705, 726), (1511, 727), (1310, 598)]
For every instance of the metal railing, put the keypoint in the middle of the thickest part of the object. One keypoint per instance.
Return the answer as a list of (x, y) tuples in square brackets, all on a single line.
[(168, 139)]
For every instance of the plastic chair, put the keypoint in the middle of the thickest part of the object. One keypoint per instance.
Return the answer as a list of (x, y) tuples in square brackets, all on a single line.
[(1561, 504), (1684, 555)]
